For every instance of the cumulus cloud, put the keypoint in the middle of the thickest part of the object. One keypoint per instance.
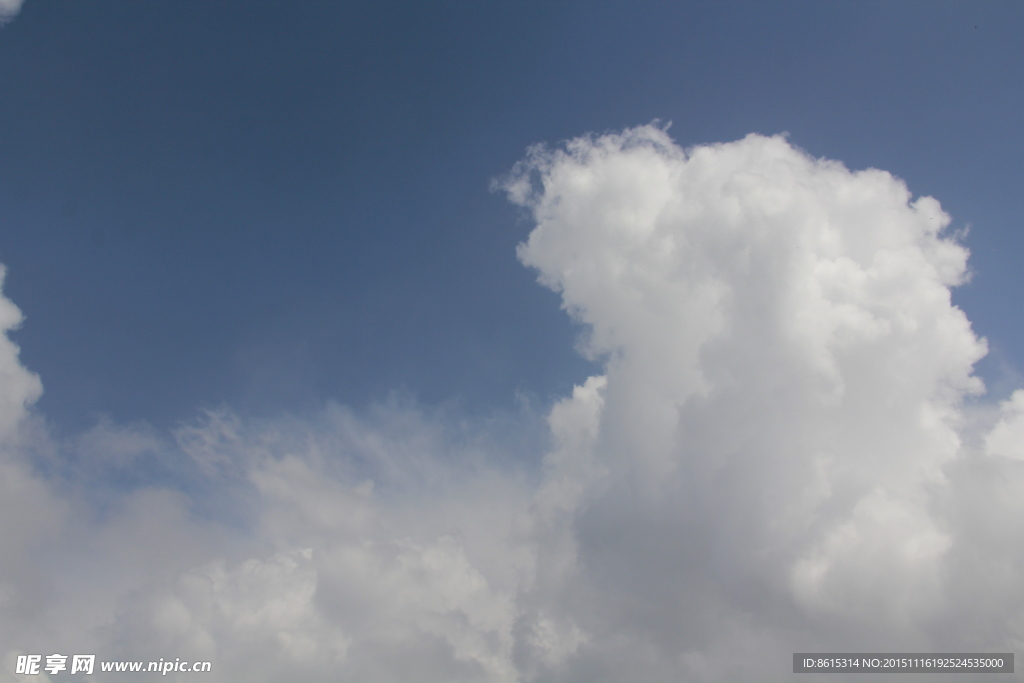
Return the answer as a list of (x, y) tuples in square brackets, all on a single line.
[(9, 8), (378, 547), (780, 430), (775, 458)]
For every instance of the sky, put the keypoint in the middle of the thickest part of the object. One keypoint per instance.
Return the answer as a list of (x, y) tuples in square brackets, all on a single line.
[(511, 342)]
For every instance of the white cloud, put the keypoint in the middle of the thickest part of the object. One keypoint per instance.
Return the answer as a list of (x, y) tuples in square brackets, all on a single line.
[(774, 460), (337, 548), (19, 388), (781, 421), (9, 8), (1007, 437)]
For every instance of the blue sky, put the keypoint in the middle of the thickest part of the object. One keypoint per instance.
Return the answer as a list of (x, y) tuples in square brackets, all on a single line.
[(345, 378), (271, 205)]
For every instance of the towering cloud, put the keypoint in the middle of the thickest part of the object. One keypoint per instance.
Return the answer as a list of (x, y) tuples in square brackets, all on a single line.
[(773, 461), (775, 458)]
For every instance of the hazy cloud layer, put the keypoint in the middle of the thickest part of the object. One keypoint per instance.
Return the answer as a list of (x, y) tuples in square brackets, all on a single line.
[(776, 458)]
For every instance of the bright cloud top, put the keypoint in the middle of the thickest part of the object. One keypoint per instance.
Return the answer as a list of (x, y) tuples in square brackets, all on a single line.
[(775, 459)]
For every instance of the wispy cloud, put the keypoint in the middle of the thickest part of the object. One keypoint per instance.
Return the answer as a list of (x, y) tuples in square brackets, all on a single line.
[(774, 459)]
